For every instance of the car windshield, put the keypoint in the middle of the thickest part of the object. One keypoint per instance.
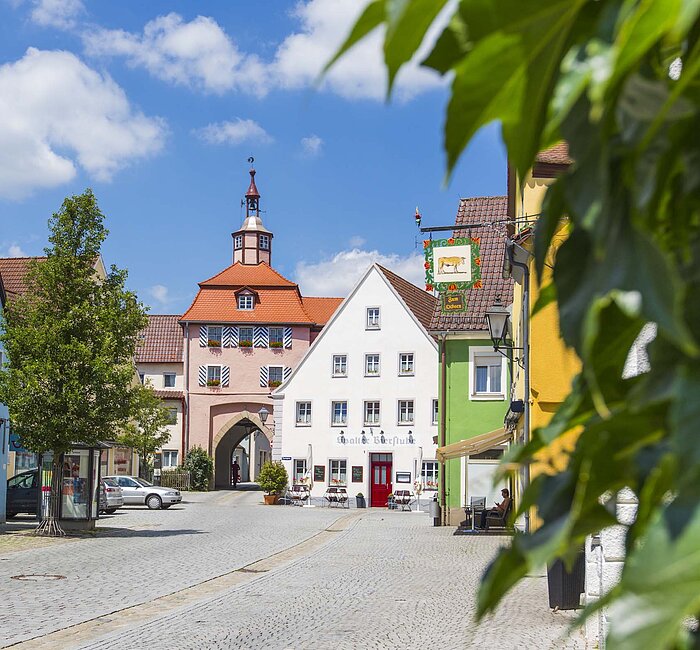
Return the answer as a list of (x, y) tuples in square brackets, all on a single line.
[(111, 482), (143, 482)]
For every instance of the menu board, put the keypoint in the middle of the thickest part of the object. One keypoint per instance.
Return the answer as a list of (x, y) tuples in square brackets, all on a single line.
[(319, 473), (357, 473)]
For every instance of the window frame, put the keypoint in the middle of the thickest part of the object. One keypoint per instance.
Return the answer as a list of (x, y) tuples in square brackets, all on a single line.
[(245, 338), (340, 482), (264, 242), (278, 329), (209, 376), (410, 408), (365, 420), (333, 365), (333, 422), (370, 324), (296, 476), (169, 453), (379, 364), (297, 412), (412, 371), (479, 356), (237, 242), (269, 373), (168, 375), (435, 412), (434, 472), (246, 299)]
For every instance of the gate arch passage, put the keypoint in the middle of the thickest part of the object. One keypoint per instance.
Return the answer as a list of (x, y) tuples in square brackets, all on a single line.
[(233, 432)]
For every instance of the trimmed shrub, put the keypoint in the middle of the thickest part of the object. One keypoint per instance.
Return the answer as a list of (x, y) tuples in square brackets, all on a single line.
[(201, 468)]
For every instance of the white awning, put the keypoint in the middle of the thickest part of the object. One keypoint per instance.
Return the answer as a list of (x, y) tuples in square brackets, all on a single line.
[(475, 445)]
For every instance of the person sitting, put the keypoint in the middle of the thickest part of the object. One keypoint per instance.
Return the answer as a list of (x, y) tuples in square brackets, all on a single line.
[(500, 508)]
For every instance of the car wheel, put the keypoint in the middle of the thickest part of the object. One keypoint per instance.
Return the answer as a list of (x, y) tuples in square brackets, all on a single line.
[(154, 502), (111, 511)]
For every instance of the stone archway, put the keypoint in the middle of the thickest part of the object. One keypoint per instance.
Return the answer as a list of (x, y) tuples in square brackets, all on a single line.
[(232, 434)]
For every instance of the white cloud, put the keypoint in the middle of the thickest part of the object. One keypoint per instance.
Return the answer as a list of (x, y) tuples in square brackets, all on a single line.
[(339, 274), (197, 53), (357, 241), (56, 113), (15, 250), (234, 133), (56, 13), (311, 147), (160, 293)]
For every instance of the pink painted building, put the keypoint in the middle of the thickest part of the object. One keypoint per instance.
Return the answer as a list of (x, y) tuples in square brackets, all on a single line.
[(246, 330)]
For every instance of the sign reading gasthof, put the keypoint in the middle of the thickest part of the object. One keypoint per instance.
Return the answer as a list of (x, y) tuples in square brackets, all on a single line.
[(452, 264)]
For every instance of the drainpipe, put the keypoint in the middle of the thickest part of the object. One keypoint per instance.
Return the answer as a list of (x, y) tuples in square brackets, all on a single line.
[(526, 363), (443, 424), (186, 397)]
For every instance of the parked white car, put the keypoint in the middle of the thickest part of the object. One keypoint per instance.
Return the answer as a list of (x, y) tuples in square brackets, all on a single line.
[(137, 491)]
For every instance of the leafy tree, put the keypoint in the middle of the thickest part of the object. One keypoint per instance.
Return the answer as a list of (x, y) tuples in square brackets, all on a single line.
[(273, 477), (619, 80), (146, 432), (200, 466), (70, 339)]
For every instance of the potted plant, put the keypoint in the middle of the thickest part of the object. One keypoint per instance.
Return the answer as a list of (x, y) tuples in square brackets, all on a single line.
[(213, 344), (272, 479), (273, 383), (360, 500), (213, 382), (245, 344), (276, 344)]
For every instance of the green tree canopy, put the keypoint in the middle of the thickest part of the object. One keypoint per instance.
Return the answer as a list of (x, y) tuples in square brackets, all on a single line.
[(619, 81)]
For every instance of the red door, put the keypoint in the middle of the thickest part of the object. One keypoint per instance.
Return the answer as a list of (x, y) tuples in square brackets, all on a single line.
[(380, 479)]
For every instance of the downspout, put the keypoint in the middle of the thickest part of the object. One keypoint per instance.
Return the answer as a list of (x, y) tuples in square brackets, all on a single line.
[(526, 364), (184, 411), (186, 398), (443, 424)]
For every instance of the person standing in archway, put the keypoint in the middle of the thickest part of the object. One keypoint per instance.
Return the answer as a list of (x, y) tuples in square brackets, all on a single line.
[(235, 473)]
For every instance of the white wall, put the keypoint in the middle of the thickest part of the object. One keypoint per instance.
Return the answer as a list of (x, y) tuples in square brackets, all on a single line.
[(313, 381), (153, 372)]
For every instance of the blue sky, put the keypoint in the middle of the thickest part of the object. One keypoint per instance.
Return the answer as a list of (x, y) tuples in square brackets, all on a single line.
[(157, 105)]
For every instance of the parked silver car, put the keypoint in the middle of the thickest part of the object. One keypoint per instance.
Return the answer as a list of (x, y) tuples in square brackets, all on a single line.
[(138, 491), (113, 496)]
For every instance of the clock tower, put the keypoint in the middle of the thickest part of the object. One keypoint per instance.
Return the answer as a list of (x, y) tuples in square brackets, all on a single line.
[(252, 244)]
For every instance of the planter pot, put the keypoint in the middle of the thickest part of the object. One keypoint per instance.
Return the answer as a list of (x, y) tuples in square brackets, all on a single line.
[(270, 499), (360, 502)]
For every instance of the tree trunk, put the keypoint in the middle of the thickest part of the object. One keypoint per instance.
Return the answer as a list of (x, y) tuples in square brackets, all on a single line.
[(50, 525)]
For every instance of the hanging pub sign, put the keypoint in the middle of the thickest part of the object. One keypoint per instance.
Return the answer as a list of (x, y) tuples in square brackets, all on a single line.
[(452, 264), (453, 302)]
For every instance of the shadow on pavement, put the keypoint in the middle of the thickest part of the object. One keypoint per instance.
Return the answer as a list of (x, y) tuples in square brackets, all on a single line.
[(241, 487), (146, 532)]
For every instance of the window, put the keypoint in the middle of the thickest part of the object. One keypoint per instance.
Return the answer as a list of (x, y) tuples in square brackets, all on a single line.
[(405, 411), (436, 409), (406, 363), (245, 301), (169, 380), (373, 322), (371, 413), (371, 365), (304, 413), (298, 470), (172, 416), (340, 365), (487, 376), (276, 335), (238, 242), (274, 375), (126, 482), (337, 472), (339, 412), (169, 458), (213, 375), (245, 337), (429, 474), (265, 242), (214, 333)]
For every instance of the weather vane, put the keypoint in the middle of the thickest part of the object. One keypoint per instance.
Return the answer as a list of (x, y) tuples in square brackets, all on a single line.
[(251, 160)]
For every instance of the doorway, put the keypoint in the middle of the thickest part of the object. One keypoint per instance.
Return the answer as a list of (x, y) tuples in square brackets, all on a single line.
[(380, 479)]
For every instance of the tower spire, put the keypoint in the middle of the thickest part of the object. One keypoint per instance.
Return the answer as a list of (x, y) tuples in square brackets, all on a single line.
[(252, 244), (252, 196)]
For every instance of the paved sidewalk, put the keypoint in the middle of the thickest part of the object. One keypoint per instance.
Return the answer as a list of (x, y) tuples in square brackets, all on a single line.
[(389, 581)]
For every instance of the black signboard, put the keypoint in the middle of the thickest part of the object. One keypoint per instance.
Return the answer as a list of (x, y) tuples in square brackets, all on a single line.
[(319, 473), (357, 473)]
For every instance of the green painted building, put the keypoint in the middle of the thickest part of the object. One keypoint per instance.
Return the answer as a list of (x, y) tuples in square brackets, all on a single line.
[(476, 379)]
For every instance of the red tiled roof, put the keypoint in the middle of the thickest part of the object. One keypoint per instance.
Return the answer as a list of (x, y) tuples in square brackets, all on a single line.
[(162, 340), (169, 394), (486, 209), (13, 270), (320, 310), (252, 275), (420, 302), (556, 155)]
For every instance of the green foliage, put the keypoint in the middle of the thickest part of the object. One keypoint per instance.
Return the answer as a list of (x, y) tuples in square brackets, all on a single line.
[(597, 75), (71, 339), (201, 468), (146, 433), (273, 477)]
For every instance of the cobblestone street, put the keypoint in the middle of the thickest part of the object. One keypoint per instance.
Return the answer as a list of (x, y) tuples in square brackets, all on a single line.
[(369, 579)]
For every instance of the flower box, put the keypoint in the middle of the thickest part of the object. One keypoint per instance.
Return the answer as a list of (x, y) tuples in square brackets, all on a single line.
[(245, 344), (276, 344), (273, 383), (213, 382), (213, 344)]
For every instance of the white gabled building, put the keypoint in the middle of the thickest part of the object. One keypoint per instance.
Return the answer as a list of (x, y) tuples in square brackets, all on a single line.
[(360, 410)]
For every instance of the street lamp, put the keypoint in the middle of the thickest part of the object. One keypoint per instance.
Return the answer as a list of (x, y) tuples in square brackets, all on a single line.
[(497, 318), (263, 413)]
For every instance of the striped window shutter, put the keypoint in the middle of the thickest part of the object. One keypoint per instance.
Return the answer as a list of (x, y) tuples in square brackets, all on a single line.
[(286, 372), (224, 375), (264, 375), (202, 375), (227, 337), (287, 337), (261, 337), (234, 337), (203, 336)]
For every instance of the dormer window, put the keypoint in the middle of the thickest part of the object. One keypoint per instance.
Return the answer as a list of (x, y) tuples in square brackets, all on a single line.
[(246, 301), (264, 242), (238, 242)]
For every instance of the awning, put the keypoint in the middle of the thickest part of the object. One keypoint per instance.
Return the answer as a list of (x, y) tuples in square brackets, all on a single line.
[(475, 445)]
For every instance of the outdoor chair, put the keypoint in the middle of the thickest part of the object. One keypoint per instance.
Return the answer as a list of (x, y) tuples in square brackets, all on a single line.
[(404, 499), (497, 519), (299, 494), (476, 505)]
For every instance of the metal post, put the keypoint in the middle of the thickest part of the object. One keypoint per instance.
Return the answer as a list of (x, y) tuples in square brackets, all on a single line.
[(443, 424)]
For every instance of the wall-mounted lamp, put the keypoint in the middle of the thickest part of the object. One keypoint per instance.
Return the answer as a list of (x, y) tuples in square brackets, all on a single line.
[(342, 437), (263, 413), (364, 437), (498, 320), (381, 436), (410, 437)]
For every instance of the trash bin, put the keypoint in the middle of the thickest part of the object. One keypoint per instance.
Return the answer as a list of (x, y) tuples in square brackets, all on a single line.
[(360, 501), (435, 511), (566, 587)]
